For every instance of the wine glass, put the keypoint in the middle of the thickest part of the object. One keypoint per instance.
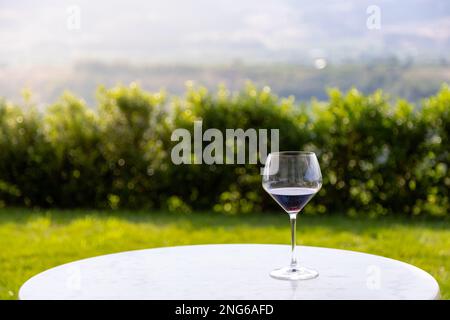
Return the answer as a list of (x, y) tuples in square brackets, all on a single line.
[(292, 178)]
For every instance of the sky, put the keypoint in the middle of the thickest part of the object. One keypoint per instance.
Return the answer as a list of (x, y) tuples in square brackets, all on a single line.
[(217, 31)]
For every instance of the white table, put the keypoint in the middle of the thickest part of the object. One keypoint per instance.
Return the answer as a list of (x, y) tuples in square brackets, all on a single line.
[(238, 271)]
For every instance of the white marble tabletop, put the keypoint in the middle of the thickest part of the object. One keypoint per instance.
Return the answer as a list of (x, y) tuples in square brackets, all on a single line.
[(239, 271)]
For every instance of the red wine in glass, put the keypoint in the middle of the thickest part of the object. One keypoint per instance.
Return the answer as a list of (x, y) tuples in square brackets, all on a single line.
[(292, 200)]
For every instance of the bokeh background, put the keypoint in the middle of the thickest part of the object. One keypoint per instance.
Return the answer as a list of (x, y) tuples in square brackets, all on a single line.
[(92, 91)]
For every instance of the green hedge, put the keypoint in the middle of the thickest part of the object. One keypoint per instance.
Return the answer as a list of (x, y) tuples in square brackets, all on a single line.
[(377, 157)]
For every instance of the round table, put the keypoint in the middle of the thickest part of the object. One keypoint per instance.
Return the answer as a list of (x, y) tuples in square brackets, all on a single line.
[(238, 271)]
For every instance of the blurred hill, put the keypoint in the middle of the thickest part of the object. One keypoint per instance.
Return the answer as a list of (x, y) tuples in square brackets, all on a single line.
[(297, 47), (398, 79)]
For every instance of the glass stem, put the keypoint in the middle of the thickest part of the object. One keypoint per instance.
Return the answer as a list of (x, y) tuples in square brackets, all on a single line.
[(293, 218)]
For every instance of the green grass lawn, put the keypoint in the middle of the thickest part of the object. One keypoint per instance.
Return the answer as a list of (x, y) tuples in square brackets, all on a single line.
[(31, 242)]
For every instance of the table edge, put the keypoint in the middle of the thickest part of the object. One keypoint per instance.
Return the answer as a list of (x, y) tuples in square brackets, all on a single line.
[(437, 295)]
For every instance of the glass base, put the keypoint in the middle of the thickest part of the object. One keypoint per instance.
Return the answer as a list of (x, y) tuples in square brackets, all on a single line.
[(294, 273)]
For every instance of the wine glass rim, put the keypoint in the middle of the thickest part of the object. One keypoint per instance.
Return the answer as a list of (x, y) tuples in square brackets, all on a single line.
[(292, 153)]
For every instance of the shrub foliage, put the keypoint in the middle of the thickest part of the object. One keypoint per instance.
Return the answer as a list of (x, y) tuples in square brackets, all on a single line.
[(377, 157)]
